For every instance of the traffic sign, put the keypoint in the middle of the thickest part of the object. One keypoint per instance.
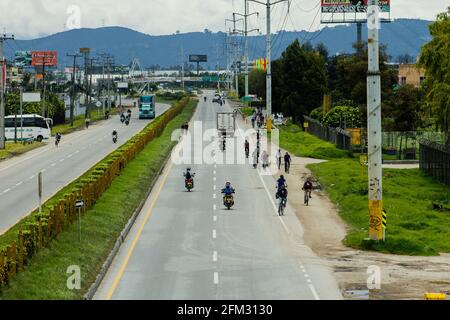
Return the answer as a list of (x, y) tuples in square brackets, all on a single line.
[(98, 104), (79, 204)]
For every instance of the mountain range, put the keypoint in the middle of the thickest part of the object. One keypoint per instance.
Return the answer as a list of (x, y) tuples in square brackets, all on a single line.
[(403, 36)]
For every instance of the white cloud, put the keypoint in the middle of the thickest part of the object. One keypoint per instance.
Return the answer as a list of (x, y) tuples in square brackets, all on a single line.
[(33, 18)]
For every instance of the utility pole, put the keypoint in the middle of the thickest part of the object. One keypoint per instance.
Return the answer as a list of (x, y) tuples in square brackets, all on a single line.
[(3, 38), (43, 85), (72, 100), (268, 5), (374, 129), (246, 32), (235, 52), (182, 68)]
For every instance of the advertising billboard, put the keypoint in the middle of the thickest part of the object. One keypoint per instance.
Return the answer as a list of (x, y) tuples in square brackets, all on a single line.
[(47, 58), (198, 58), (352, 6), (22, 59)]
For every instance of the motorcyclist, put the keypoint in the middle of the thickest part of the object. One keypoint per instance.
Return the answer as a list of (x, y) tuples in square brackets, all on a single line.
[(115, 134), (122, 118), (188, 175), (204, 98), (228, 190)]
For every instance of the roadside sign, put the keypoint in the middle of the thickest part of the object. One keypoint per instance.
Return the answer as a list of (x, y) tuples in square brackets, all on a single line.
[(306, 125), (79, 204), (98, 104)]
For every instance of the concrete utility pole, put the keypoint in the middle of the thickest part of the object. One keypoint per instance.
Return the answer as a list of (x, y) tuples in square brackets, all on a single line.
[(246, 32), (3, 38), (72, 100), (268, 5), (236, 54), (374, 124), (182, 68)]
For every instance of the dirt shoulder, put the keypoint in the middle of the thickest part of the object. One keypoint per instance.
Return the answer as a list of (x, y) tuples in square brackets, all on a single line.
[(402, 277)]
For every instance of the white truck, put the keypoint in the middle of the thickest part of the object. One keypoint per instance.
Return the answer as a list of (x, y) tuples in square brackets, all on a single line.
[(226, 124)]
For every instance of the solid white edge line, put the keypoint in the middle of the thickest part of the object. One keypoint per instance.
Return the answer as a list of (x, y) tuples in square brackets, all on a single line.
[(268, 193), (314, 292)]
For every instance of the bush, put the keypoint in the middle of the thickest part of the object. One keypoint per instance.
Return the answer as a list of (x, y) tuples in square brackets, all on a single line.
[(350, 115), (317, 114)]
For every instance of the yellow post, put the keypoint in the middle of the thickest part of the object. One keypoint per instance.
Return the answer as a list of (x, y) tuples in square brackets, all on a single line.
[(306, 125), (269, 125), (376, 220)]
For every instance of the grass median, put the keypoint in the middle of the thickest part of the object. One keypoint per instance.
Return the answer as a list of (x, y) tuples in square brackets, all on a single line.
[(16, 149), (46, 277)]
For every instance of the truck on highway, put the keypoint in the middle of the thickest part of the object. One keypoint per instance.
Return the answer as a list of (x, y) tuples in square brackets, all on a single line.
[(226, 124), (147, 107)]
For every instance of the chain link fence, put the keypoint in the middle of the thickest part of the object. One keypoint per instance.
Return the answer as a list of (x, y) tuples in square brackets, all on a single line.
[(339, 137), (435, 160)]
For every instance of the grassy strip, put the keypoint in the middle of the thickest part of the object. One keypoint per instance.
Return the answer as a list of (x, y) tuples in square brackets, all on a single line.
[(414, 226), (15, 149), (301, 144), (46, 277)]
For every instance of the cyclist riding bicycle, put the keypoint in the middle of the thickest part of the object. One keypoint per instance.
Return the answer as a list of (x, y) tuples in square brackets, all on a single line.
[(307, 187)]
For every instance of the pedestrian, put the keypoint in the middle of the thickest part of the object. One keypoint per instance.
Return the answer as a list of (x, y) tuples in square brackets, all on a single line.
[(265, 159), (279, 157), (287, 162), (255, 159), (253, 121), (87, 122)]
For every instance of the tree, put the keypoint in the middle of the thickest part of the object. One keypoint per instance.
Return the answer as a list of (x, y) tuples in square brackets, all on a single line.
[(435, 58), (403, 110), (303, 80)]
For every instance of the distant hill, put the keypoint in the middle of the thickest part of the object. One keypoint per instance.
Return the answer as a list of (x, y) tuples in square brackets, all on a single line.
[(403, 36)]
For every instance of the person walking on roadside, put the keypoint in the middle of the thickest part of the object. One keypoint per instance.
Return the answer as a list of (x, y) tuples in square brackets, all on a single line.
[(255, 159), (253, 121), (279, 157), (287, 162)]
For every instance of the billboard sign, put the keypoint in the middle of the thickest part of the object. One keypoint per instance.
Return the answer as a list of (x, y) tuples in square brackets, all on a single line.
[(47, 58), (22, 59), (198, 58), (352, 6), (122, 85), (31, 97)]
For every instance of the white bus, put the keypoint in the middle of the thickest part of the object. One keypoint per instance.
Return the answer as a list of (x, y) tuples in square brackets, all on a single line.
[(35, 127)]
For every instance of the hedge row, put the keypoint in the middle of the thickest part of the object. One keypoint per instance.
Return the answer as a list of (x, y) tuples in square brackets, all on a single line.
[(60, 212)]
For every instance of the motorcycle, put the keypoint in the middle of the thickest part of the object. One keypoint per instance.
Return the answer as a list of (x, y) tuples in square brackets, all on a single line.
[(228, 200), (189, 183), (247, 153), (122, 118), (115, 138), (204, 99), (127, 121)]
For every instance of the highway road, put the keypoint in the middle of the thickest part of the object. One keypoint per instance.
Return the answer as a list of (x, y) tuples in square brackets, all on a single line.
[(187, 246), (61, 165)]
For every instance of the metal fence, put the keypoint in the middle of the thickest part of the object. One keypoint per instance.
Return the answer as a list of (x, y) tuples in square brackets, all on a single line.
[(435, 160), (405, 145), (339, 137)]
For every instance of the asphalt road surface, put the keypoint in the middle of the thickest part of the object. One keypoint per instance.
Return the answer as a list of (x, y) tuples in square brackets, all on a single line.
[(187, 246), (76, 153)]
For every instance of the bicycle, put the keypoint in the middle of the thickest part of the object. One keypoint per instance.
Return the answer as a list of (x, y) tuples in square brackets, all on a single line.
[(282, 206), (307, 196)]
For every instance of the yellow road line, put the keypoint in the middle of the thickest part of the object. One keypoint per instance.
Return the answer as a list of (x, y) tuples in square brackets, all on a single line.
[(138, 235)]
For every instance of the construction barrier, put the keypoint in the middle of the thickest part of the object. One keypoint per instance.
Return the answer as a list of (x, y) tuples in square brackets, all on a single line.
[(58, 216)]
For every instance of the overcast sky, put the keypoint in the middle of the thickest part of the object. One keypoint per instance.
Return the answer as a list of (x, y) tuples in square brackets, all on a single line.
[(29, 19)]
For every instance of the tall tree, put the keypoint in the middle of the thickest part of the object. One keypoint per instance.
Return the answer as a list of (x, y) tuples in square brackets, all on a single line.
[(435, 58)]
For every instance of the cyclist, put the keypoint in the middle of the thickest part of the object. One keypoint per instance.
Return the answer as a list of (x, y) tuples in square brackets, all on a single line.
[(57, 138), (307, 187), (281, 182)]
